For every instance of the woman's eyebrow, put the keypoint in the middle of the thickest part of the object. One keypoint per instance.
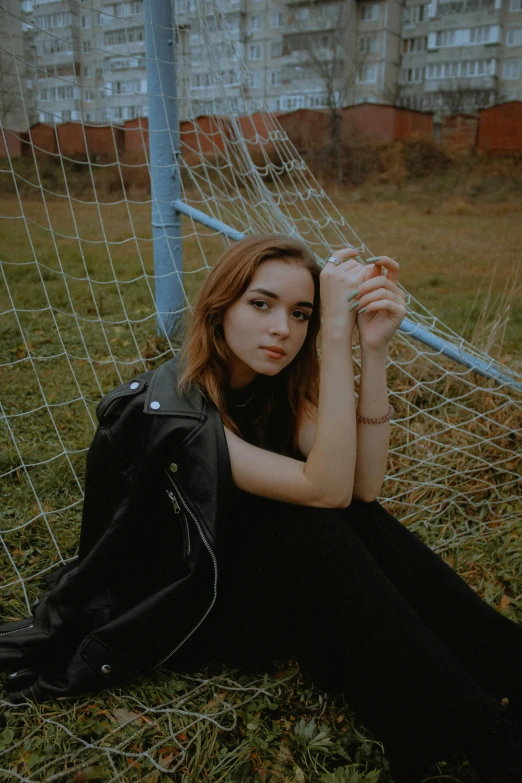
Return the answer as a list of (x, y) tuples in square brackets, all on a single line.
[(276, 296)]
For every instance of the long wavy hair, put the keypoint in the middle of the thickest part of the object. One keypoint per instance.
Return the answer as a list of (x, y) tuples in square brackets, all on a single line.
[(205, 354)]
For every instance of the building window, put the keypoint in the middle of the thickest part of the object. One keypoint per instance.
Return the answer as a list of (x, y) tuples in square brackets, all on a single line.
[(480, 34), (276, 21), (414, 44), (464, 36), (86, 21), (511, 69), (411, 75), (445, 38), (368, 43), (86, 47), (229, 78), (122, 63), (50, 21), (232, 22), (256, 79), (89, 94), (199, 80), (133, 7), (515, 5), (64, 92), (302, 13), (369, 12), (126, 87), (367, 74), (289, 102), (413, 14), (514, 37), (318, 101), (54, 45), (276, 49), (254, 23), (254, 52), (458, 68), (275, 78), (124, 36)]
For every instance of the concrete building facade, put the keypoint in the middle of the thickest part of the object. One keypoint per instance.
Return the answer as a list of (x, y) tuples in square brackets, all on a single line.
[(85, 60)]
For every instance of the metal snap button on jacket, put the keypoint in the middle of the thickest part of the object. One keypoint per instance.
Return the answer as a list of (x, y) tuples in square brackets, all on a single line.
[(106, 669), (155, 405), (173, 467), (134, 385)]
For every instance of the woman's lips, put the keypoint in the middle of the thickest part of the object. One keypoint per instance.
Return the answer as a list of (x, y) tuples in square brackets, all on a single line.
[(273, 354)]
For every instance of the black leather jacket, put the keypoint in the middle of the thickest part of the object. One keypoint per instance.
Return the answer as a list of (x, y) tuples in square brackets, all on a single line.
[(156, 489)]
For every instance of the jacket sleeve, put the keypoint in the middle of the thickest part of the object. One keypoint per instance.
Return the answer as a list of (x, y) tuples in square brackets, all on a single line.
[(106, 493), (108, 469)]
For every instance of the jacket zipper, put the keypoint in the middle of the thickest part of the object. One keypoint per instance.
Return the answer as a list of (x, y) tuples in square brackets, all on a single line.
[(214, 561), (16, 630), (186, 531)]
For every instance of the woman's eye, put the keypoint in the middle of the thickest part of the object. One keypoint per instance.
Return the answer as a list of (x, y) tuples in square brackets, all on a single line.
[(255, 302)]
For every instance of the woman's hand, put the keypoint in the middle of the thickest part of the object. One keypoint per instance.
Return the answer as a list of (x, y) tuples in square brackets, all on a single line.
[(337, 283), (384, 304)]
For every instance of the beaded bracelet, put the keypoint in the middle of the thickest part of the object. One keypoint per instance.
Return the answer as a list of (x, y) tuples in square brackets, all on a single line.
[(378, 420)]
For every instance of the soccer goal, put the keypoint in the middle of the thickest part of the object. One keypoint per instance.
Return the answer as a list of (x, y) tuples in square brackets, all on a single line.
[(127, 163)]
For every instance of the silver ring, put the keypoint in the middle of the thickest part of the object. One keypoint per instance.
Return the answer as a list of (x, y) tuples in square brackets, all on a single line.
[(333, 260)]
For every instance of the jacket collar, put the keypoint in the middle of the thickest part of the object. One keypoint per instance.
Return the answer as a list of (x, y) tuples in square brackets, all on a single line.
[(163, 398)]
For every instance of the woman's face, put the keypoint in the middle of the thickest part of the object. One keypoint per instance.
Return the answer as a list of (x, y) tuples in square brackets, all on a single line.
[(273, 311)]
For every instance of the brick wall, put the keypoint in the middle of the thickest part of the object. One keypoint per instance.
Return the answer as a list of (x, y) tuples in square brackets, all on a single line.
[(11, 143), (500, 129), (459, 130)]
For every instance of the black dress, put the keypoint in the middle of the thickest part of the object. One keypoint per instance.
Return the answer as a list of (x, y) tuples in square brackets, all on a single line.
[(367, 610)]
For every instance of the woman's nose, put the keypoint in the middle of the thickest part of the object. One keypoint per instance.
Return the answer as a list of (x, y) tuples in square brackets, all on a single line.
[(279, 324)]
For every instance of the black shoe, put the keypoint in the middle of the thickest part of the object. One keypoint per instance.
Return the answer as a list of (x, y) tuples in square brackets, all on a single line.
[(497, 757)]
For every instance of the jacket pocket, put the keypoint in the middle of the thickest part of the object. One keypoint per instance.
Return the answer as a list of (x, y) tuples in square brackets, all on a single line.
[(180, 513)]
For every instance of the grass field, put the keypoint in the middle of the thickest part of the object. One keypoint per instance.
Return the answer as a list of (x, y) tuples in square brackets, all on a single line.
[(461, 259)]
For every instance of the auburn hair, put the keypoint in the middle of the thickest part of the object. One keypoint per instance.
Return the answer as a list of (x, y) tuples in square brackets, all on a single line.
[(205, 355)]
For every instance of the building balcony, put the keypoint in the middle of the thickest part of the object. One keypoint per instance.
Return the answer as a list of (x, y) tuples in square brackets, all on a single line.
[(55, 58), (459, 83), (458, 7), (295, 3), (294, 25), (302, 57), (132, 49), (109, 22)]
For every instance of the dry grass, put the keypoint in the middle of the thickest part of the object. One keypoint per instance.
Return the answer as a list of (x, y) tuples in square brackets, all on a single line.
[(459, 257)]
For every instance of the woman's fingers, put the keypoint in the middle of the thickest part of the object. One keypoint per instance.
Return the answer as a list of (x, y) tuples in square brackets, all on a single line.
[(390, 264), (345, 253), (394, 308), (380, 293), (378, 283)]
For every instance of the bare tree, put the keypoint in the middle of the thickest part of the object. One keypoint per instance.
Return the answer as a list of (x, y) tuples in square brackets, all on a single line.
[(9, 86), (330, 60)]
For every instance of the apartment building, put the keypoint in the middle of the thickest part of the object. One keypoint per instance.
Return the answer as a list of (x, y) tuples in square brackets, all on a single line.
[(87, 57), (15, 86), (460, 55)]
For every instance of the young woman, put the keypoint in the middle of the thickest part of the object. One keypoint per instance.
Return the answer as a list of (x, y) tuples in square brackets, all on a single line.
[(230, 516), (315, 568)]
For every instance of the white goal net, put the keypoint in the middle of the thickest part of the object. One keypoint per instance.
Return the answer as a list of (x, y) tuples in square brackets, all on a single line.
[(79, 315)]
